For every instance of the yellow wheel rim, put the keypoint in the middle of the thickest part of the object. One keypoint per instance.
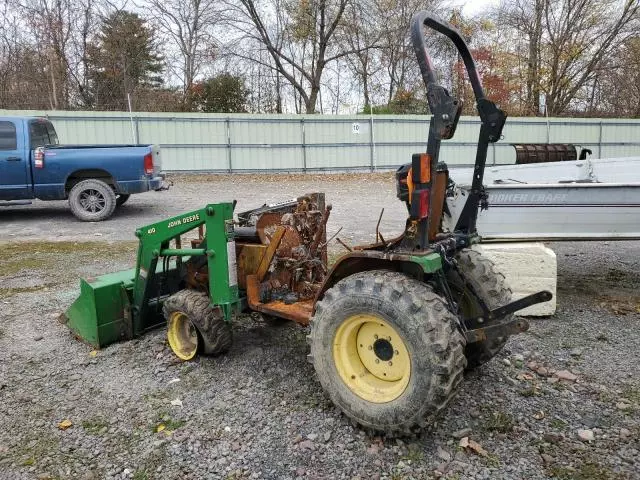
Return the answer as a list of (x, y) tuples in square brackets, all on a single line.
[(371, 358), (183, 336)]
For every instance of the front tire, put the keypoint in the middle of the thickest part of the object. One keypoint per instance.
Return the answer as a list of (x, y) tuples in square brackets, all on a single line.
[(195, 326), (92, 200), (386, 350)]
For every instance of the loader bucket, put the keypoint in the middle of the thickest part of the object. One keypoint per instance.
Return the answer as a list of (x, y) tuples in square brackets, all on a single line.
[(101, 314)]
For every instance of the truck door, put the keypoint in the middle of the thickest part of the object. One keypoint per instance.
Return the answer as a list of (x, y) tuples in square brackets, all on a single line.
[(14, 179)]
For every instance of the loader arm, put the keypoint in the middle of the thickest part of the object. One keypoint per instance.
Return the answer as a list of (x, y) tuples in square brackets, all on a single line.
[(219, 250), (123, 305)]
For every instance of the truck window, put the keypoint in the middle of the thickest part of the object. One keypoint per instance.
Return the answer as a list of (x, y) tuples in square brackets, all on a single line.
[(8, 139), (39, 135), (53, 136)]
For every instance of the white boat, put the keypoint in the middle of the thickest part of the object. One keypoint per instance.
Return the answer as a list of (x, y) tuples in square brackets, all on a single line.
[(589, 199)]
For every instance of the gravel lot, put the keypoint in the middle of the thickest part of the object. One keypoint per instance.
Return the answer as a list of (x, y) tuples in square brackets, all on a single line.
[(258, 411)]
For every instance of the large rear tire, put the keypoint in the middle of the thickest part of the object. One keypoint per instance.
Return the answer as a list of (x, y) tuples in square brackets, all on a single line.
[(92, 200), (387, 351), (194, 325), (491, 286)]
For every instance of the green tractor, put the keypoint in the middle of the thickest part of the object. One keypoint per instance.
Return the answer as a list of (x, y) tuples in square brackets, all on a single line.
[(393, 325)]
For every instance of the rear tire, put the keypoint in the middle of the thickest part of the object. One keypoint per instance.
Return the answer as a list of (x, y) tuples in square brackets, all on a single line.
[(121, 199), (491, 286), (213, 332), (383, 315), (92, 200)]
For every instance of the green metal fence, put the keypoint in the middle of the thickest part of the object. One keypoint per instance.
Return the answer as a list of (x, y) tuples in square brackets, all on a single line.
[(245, 142)]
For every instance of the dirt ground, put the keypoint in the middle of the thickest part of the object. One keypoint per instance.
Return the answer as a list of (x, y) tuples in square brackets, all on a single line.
[(258, 411)]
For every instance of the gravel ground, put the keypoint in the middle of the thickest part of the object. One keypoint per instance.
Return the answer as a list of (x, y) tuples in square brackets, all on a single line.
[(258, 411)]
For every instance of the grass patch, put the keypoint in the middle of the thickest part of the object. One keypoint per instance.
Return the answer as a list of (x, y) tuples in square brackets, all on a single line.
[(531, 391), (94, 425), (45, 259), (34, 448), (558, 424), (586, 471), (414, 453), (140, 475), (166, 424), (11, 291), (631, 393), (500, 422)]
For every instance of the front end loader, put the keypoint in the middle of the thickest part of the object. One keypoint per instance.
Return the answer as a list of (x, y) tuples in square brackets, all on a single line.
[(392, 325)]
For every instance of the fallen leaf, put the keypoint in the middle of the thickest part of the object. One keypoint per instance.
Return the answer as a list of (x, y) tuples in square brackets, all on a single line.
[(474, 446), (566, 375), (160, 427), (93, 353), (539, 415), (176, 403), (63, 425)]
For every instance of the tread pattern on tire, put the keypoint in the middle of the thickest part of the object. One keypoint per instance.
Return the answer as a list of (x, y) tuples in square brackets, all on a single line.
[(429, 330), (215, 332), (82, 214), (491, 285)]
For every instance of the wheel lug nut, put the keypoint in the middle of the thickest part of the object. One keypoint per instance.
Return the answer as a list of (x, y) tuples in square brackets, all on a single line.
[(395, 352), (375, 336), (370, 347), (377, 360), (390, 364)]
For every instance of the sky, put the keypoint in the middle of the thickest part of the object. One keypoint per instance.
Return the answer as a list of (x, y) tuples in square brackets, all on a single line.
[(471, 7)]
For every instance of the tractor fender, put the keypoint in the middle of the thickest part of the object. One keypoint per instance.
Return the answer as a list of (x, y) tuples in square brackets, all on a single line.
[(412, 265)]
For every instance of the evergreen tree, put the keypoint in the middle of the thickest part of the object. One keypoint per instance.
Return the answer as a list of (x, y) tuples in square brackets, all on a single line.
[(122, 60)]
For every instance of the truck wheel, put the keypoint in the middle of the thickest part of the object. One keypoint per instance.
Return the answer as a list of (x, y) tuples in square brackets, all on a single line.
[(121, 199), (481, 273), (386, 350), (92, 200), (194, 325)]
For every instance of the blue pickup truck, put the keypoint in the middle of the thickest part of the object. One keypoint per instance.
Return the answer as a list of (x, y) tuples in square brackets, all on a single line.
[(94, 178)]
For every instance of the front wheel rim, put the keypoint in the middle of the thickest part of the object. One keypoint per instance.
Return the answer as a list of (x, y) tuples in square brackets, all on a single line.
[(182, 336), (371, 358)]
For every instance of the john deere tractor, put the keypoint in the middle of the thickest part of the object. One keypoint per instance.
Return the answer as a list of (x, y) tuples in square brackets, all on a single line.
[(393, 325)]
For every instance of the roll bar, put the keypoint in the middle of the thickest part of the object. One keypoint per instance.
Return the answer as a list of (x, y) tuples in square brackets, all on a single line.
[(445, 111)]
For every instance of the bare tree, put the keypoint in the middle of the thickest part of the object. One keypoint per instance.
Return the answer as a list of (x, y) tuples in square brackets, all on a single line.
[(568, 43), (362, 35), (581, 35), (189, 25), (300, 42)]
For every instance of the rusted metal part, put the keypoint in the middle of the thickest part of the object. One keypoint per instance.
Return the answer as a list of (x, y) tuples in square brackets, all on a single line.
[(294, 262), (248, 260), (361, 260), (344, 245), (321, 231), (378, 235), (544, 152), (299, 312), (382, 245), (512, 327), (270, 252), (197, 276), (266, 225), (438, 193)]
